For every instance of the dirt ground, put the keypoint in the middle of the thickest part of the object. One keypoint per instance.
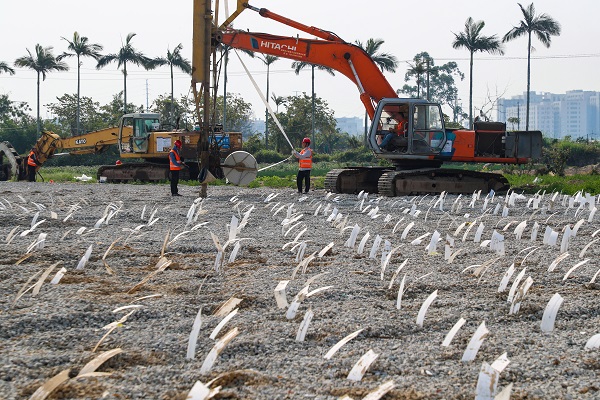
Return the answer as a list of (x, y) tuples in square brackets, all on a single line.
[(58, 328)]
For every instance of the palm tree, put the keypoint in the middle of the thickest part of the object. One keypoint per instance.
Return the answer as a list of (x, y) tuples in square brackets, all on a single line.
[(4, 68), (268, 60), (544, 27), (472, 40), (299, 66), (126, 54), (385, 61), (278, 100), (42, 62), (174, 59), (79, 47)]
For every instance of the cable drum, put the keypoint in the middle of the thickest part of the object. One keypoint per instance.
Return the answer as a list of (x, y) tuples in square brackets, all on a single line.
[(240, 168)]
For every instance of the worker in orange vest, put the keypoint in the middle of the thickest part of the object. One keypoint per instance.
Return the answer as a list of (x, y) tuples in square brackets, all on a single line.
[(399, 130), (32, 163), (304, 165), (175, 165)]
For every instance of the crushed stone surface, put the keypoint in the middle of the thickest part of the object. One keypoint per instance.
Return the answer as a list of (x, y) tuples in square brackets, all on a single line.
[(58, 328)]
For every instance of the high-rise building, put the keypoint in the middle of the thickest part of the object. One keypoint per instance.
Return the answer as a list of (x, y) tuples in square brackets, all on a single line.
[(575, 113)]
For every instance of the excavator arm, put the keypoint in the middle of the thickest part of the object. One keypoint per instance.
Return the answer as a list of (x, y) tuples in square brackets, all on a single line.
[(346, 58), (331, 51)]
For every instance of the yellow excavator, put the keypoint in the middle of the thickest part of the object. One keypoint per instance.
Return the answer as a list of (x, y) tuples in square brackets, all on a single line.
[(138, 136)]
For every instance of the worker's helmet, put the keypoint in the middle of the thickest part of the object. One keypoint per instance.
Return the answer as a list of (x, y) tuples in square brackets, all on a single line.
[(118, 162), (178, 143), (306, 140)]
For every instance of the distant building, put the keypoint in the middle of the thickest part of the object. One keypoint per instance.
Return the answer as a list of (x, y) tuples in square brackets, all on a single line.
[(351, 125), (258, 126), (575, 113)]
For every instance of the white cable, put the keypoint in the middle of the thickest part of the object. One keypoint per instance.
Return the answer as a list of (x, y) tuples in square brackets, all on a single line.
[(277, 163), (262, 97)]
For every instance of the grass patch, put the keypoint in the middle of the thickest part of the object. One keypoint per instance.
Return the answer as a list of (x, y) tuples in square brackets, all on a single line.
[(284, 176), (67, 174), (564, 184)]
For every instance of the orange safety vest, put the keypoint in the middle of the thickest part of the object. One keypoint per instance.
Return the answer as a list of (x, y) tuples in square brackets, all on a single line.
[(173, 166), (401, 128), (305, 163), (30, 159)]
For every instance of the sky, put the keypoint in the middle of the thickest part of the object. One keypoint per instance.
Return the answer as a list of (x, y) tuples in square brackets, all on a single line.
[(571, 63)]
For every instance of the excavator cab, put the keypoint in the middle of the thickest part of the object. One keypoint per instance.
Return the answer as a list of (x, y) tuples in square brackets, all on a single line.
[(135, 129), (423, 132)]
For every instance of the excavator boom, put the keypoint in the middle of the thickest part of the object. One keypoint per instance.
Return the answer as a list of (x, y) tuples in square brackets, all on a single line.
[(346, 58)]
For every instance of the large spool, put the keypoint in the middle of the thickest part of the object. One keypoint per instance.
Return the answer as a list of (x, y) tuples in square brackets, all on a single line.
[(240, 168)]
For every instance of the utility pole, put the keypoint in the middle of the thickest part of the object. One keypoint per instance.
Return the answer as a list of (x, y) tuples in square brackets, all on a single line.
[(147, 108)]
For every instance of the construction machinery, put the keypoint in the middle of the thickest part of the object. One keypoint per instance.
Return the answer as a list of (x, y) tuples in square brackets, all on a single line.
[(139, 136), (418, 152)]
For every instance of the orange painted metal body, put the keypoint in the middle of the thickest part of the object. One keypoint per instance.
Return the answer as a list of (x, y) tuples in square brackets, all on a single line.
[(425, 147)]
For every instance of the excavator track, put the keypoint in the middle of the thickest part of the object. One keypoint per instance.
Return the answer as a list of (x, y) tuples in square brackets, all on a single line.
[(353, 180), (143, 172), (437, 180)]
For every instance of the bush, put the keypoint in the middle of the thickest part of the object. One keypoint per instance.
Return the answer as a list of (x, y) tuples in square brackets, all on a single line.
[(269, 156), (356, 156), (321, 157)]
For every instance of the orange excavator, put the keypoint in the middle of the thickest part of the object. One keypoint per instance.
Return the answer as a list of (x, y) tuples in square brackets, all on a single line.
[(418, 150)]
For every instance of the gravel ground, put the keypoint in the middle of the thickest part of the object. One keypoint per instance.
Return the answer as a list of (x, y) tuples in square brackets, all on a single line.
[(58, 328)]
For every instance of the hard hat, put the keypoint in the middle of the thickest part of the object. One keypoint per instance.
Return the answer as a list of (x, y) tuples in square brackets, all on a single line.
[(118, 162), (178, 143), (306, 140)]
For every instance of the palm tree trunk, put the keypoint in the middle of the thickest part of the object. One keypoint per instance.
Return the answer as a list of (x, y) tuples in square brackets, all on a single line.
[(313, 107), (171, 113), (528, 81), (78, 94), (124, 88), (365, 135), (267, 113), (39, 125), (471, 93)]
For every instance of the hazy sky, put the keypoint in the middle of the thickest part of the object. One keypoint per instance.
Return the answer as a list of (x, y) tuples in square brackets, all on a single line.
[(572, 62)]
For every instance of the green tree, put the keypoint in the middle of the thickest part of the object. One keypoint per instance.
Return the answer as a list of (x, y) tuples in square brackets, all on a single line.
[(268, 60), (16, 125), (127, 54), (472, 40), (225, 50), (442, 86), (80, 47), (513, 121), (299, 66), (42, 62), (278, 100), (239, 114), (544, 27), (4, 68), (72, 111), (332, 140), (174, 59), (416, 71), (113, 111), (295, 120), (385, 61)]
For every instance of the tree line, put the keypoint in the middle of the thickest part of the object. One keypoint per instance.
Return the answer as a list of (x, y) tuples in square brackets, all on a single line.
[(436, 83)]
